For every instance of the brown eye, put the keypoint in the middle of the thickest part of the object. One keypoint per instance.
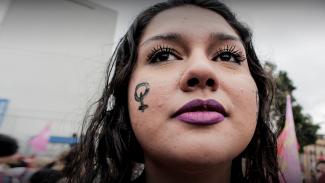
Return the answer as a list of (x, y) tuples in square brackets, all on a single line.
[(229, 54), (226, 56), (162, 55)]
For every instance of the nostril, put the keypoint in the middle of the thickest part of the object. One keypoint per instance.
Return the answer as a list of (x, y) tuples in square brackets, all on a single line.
[(210, 82), (192, 82)]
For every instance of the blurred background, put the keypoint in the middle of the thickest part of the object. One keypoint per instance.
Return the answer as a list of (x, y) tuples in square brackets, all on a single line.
[(53, 56)]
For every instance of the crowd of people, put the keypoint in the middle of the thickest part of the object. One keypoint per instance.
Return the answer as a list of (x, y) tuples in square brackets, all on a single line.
[(18, 168)]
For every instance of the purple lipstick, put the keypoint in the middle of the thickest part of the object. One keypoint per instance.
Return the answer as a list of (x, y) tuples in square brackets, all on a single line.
[(201, 112)]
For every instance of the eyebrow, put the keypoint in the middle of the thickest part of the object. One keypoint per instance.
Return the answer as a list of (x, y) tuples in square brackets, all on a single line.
[(176, 37), (217, 36)]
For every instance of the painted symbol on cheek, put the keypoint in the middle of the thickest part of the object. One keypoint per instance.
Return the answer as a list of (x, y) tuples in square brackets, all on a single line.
[(141, 90)]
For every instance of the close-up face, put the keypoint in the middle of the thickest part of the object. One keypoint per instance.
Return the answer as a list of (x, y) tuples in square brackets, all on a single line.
[(191, 97)]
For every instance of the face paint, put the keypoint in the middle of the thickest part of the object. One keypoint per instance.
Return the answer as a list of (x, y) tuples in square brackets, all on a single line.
[(141, 90)]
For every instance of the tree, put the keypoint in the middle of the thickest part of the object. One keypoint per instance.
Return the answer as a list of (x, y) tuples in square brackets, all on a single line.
[(305, 129)]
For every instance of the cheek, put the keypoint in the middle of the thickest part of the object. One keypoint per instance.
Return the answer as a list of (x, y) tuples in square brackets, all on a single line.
[(248, 100), (153, 96), (148, 122), (245, 104)]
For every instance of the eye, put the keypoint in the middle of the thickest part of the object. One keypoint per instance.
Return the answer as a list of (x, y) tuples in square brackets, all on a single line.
[(226, 56), (229, 54), (162, 54)]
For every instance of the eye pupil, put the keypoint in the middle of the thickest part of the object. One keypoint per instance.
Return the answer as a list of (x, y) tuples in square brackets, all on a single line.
[(163, 56), (225, 56)]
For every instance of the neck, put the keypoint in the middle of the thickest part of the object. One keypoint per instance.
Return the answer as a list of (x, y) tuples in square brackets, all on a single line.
[(190, 174)]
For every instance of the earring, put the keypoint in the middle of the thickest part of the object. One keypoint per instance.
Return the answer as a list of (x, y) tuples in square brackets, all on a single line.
[(243, 165), (110, 103), (137, 170)]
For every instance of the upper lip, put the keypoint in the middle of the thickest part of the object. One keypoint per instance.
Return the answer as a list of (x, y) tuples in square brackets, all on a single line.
[(201, 105)]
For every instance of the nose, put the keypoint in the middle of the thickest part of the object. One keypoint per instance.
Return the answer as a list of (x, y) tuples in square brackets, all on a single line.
[(199, 74)]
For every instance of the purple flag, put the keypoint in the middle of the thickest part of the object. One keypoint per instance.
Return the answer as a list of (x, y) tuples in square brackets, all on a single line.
[(288, 149), (40, 141)]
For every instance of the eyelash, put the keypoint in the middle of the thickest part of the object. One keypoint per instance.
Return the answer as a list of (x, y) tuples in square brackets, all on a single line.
[(236, 54), (158, 51)]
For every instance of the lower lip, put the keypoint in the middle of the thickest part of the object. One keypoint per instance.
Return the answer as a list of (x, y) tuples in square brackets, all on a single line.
[(201, 117)]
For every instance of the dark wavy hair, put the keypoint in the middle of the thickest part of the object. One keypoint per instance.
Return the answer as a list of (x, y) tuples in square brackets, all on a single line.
[(108, 147), (8, 145)]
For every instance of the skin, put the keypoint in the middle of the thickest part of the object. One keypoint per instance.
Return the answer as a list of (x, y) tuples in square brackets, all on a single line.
[(175, 151), (10, 159)]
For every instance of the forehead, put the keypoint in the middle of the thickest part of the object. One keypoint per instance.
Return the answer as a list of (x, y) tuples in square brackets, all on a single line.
[(189, 20)]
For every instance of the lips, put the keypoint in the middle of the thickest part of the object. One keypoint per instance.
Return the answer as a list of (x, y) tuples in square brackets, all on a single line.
[(201, 112)]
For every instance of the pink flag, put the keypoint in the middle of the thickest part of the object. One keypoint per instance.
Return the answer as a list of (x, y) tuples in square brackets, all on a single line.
[(40, 141), (288, 149)]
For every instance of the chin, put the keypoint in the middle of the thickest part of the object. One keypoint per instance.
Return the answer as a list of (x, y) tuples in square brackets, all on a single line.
[(199, 157)]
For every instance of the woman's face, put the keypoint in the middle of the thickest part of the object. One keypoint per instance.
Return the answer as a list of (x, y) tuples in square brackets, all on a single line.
[(192, 99)]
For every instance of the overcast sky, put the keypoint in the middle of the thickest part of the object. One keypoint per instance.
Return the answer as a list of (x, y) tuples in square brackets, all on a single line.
[(291, 35)]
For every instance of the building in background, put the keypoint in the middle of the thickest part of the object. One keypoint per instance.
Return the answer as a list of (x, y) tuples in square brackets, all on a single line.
[(53, 56), (312, 154)]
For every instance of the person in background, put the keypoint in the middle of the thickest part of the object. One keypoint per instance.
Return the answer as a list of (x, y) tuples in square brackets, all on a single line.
[(8, 149), (12, 165), (320, 171), (55, 171), (46, 175)]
